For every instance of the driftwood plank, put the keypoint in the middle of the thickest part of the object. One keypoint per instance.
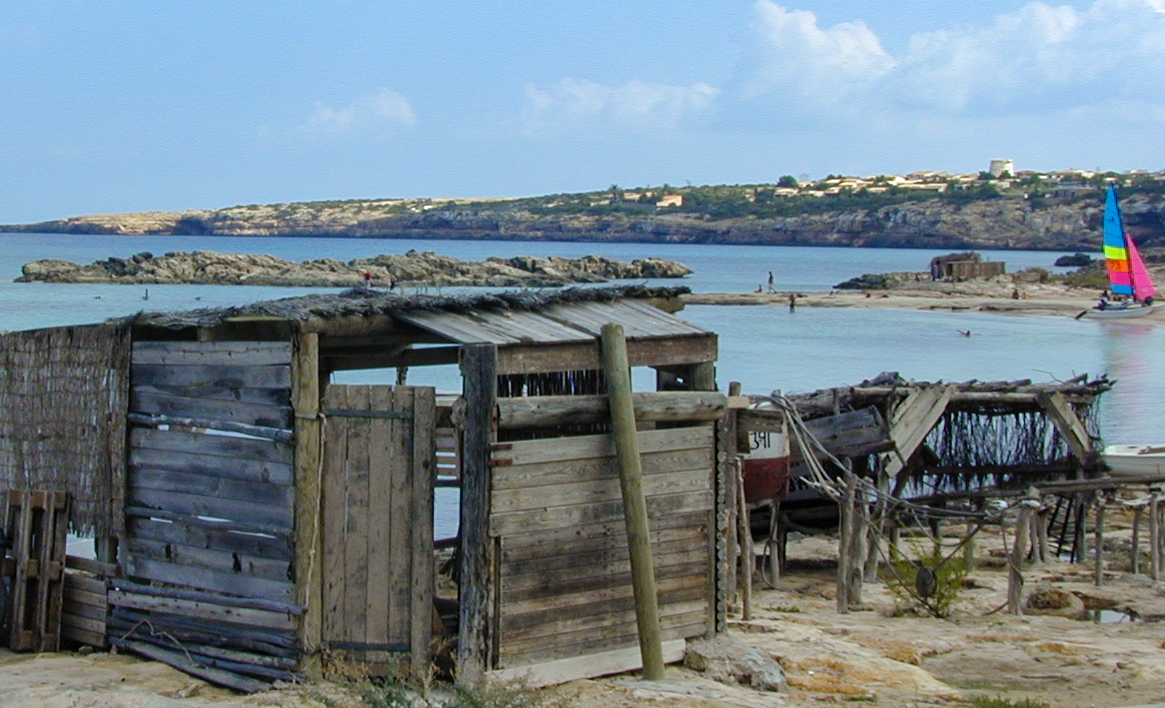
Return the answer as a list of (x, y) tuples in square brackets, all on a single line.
[(280, 517), (212, 353), (563, 591), (387, 554), (612, 559), (673, 628), (605, 663), (588, 446), (214, 376), (204, 579), (181, 662), (599, 491), (225, 562), (912, 420), (258, 396), (522, 476), (204, 610), (255, 603), (262, 546), (279, 533), (333, 512), (657, 506), (265, 493), (358, 511), (230, 446), (585, 537), (194, 405)]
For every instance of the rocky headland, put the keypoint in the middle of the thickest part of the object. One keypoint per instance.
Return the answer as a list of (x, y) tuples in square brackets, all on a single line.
[(1006, 222), (411, 268)]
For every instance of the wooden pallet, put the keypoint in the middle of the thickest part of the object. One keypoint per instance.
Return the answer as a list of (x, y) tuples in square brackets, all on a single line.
[(35, 523)]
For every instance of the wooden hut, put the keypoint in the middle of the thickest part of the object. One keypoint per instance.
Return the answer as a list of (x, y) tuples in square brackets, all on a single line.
[(253, 516)]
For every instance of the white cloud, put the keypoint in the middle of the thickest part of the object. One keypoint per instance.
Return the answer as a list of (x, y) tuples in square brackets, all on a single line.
[(1039, 58), (378, 114), (574, 104)]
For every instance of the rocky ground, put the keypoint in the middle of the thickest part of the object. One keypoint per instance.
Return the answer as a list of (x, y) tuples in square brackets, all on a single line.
[(411, 268), (875, 654)]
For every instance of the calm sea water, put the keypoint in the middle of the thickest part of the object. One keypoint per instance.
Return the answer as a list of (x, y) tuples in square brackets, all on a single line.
[(765, 348)]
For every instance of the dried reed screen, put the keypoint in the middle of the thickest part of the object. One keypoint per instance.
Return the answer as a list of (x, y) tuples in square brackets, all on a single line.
[(63, 404)]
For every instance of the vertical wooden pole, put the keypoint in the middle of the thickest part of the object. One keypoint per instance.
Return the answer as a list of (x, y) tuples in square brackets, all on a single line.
[(305, 400), (1098, 537), (1155, 532), (479, 364), (844, 547), (1136, 559), (618, 374), (747, 555), (857, 543), (1015, 563), (1041, 520)]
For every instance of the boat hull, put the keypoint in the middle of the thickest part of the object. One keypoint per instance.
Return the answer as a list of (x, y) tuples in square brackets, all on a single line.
[(1135, 460), (1116, 313)]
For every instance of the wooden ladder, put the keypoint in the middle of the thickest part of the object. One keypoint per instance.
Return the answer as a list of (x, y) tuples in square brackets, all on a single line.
[(35, 523)]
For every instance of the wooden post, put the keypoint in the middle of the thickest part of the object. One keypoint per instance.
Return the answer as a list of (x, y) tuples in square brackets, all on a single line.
[(1155, 531), (1098, 536), (309, 586), (1042, 518), (476, 587), (844, 547), (1018, 553), (1135, 561), (969, 547), (857, 555), (618, 375), (744, 523)]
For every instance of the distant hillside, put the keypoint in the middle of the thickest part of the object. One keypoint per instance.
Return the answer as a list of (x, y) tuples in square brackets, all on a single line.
[(980, 218)]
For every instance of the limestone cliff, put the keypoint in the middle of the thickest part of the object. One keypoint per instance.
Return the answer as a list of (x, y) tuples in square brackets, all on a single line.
[(1006, 222)]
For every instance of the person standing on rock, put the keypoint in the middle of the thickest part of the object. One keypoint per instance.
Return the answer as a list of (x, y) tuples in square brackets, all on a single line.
[(772, 289)]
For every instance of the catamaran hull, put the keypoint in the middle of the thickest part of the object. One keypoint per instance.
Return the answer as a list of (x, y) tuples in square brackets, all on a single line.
[(1116, 313), (1135, 460)]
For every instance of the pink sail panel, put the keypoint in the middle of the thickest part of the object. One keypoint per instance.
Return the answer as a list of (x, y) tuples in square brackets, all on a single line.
[(1142, 283)]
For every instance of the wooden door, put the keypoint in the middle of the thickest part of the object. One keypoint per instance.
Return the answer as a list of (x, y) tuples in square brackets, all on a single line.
[(377, 496)]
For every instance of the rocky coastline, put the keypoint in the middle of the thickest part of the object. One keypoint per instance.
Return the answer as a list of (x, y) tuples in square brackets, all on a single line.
[(413, 268)]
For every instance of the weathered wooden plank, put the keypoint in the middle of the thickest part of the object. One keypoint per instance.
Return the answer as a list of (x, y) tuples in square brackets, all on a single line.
[(126, 622), (219, 540), (689, 574), (212, 353), (478, 554), (212, 465), (231, 446), (1069, 426), (657, 406), (308, 470), (561, 626), (183, 663), (422, 470), (387, 551), (912, 420), (195, 406), (280, 517), (524, 476), (525, 452), (265, 493), (334, 490), (188, 576), (83, 610), (258, 396), (616, 661), (89, 565), (358, 518), (657, 506), (597, 492), (538, 544), (225, 562), (279, 533), (598, 563), (215, 376), (92, 627), (686, 626), (254, 603), (204, 610)]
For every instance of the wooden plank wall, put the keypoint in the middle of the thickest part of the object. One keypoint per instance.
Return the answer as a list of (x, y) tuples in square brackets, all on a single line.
[(378, 522), (207, 512), (84, 609), (564, 570)]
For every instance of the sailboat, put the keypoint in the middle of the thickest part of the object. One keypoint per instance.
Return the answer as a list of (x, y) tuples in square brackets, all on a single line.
[(1127, 276)]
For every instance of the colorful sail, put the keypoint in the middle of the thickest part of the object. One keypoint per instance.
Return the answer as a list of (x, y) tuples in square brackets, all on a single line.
[(1126, 271)]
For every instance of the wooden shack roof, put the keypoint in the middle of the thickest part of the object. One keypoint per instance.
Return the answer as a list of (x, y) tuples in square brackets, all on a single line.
[(535, 331)]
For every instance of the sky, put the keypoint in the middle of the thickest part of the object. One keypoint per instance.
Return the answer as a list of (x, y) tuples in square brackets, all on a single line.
[(139, 105)]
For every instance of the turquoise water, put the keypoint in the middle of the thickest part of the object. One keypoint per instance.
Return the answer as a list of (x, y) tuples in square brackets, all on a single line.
[(765, 348)]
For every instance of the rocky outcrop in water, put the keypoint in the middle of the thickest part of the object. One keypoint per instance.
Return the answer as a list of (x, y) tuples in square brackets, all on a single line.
[(210, 268)]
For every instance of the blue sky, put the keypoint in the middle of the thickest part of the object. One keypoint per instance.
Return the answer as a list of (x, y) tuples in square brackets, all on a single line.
[(137, 105)]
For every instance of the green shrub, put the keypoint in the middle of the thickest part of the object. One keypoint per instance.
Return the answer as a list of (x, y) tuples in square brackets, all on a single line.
[(930, 584)]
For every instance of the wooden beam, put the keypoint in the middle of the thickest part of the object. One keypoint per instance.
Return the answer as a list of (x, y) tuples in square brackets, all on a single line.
[(671, 406), (305, 399), (477, 556), (618, 374), (616, 661), (1069, 425), (912, 420), (387, 358)]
